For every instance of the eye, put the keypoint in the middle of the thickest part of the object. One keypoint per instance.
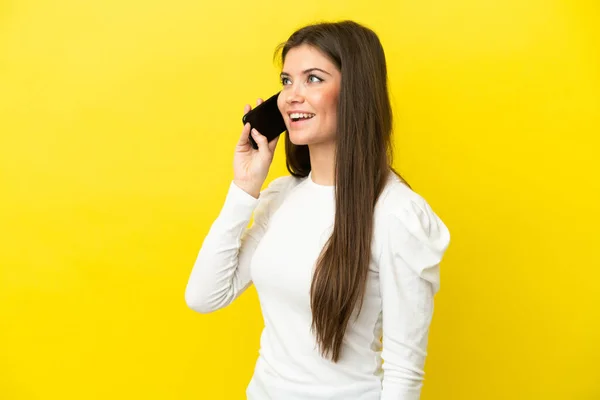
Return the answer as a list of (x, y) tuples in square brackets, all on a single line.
[(314, 79), (285, 80)]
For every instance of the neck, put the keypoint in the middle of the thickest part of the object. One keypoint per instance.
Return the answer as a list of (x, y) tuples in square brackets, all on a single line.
[(322, 162)]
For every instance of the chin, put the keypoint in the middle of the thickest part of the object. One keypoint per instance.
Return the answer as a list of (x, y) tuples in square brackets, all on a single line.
[(299, 139)]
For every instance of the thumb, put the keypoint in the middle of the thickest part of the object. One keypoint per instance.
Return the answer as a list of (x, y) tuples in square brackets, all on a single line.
[(243, 141)]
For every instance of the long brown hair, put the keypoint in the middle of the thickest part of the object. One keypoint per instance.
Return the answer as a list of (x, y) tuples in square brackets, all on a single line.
[(362, 164)]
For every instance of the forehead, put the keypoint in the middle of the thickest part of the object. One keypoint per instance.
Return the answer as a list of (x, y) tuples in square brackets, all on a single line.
[(304, 57)]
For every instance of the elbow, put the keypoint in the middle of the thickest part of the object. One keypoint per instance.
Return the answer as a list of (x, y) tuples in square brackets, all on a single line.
[(198, 302)]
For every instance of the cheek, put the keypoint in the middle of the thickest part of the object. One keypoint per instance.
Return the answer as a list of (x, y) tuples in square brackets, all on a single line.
[(331, 99), (327, 101)]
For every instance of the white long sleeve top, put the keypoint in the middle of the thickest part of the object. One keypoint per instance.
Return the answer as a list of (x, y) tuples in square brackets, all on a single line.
[(384, 350)]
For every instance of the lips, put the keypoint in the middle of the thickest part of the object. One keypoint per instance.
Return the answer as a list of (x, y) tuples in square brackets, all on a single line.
[(300, 116)]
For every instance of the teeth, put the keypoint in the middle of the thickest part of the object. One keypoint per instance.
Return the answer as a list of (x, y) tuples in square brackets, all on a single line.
[(301, 115)]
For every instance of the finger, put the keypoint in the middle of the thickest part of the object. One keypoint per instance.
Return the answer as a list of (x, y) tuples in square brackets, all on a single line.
[(247, 109), (244, 137), (260, 140), (259, 101), (273, 144)]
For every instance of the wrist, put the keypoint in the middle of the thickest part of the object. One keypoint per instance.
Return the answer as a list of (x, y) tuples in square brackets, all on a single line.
[(251, 188)]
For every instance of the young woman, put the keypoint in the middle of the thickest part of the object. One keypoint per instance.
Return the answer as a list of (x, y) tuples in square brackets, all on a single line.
[(343, 254)]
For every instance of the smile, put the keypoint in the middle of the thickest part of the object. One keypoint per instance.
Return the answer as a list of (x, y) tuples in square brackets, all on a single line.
[(300, 116)]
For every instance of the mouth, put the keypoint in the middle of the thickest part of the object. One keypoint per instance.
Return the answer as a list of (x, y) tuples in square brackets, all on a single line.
[(296, 117)]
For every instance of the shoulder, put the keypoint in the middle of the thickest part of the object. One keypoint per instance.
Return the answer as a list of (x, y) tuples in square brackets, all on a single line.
[(283, 184), (399, 201), (280, 187), (408, 226), (273, 194)]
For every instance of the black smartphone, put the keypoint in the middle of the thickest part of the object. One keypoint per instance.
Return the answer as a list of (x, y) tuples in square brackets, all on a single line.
[(266, 119)]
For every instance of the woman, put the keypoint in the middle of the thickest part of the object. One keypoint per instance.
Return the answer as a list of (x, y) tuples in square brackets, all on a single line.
[(344, 255)]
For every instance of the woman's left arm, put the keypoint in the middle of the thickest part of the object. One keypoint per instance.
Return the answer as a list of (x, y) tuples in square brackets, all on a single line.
[(414, 244)]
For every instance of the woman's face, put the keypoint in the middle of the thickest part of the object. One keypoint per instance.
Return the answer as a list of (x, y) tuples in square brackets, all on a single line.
[(308, 99)]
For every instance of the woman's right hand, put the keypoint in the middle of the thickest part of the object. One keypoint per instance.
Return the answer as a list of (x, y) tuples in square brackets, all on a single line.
[(250, 166)]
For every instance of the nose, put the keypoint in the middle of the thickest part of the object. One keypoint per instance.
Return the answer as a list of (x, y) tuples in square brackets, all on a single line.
[(295, 94)]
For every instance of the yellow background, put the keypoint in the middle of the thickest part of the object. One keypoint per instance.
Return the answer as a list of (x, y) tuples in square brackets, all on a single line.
[(118, 121)]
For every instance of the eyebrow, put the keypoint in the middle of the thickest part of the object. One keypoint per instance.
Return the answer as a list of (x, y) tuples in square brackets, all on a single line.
[(307, 71)]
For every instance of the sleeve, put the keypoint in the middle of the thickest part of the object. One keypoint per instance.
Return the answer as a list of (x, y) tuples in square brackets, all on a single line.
[(221, 271), (414, 244)]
